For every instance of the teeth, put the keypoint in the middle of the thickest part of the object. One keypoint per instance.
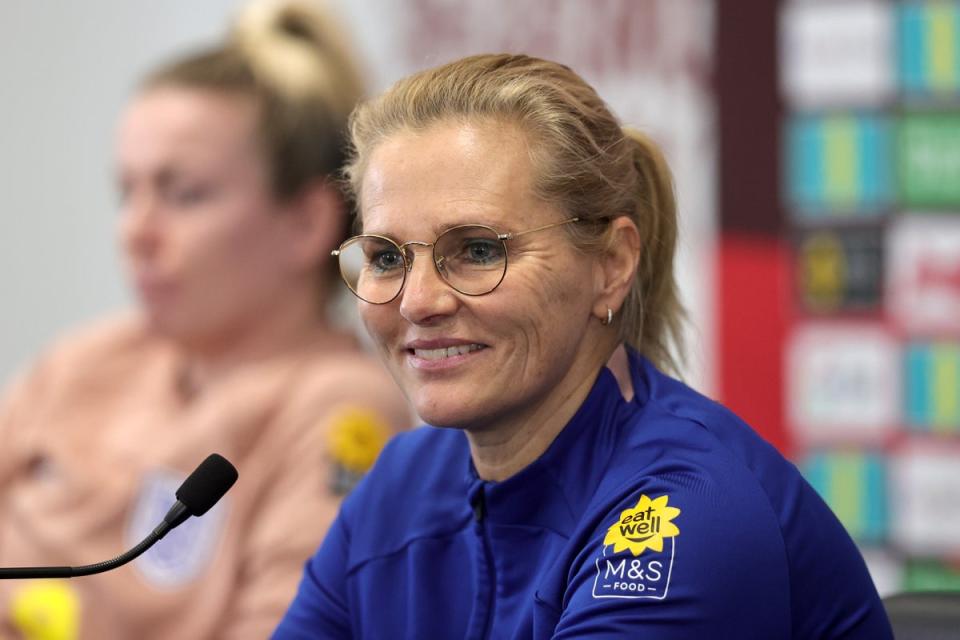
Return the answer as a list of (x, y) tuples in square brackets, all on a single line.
[(448, 352)]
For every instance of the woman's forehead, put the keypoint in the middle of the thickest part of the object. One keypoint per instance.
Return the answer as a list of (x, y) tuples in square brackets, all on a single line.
[(189, 123), (446, 175), (426, 227), (465, 154)]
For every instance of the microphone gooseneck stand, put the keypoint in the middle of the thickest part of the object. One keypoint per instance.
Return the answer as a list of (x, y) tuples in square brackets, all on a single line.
[(87, 569), (200, 491)]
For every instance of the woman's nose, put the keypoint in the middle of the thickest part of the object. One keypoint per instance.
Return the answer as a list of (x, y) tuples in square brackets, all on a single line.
[(426, 297), (138, 226)]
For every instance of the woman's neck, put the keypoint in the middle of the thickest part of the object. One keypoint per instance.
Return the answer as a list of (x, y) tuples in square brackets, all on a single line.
[(285, 329), (502, 451)]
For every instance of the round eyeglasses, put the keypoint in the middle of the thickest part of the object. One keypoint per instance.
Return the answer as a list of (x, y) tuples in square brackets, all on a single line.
[(471, 258)]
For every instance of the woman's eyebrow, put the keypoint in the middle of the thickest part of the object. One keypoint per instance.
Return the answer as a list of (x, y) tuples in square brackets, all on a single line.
[(379, 232), (442, 226), (446, 225)]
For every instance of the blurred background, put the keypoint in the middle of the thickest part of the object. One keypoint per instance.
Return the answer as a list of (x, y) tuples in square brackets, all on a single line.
[(816, 149)]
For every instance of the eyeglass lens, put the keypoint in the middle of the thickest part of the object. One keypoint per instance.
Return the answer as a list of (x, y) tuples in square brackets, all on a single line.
[(472, 259)]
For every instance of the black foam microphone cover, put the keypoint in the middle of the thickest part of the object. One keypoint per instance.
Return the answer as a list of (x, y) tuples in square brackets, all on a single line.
[(207, 484)]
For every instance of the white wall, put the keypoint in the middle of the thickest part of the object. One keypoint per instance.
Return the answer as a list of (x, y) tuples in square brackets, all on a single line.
[(68, 67)]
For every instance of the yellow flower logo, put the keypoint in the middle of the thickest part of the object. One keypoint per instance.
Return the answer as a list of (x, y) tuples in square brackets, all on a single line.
[(643, 527), (356, 437), (46, 610)]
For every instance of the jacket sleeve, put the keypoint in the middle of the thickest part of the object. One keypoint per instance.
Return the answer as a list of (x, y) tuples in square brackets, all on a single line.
[(686, 556), (320, 607)]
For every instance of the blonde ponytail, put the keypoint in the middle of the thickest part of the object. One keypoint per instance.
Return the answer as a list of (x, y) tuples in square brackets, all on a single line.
[(652, 315)]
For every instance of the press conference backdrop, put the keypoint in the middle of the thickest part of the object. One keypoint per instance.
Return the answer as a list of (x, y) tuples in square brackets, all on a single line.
[(871, 179), (69, 67)]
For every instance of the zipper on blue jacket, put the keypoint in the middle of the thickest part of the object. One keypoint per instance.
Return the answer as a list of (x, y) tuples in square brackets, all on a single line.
[(480, 527), (479, 507)]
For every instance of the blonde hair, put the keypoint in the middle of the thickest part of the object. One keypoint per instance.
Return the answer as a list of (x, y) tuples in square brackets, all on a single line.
[(293, 59), (584, 162)]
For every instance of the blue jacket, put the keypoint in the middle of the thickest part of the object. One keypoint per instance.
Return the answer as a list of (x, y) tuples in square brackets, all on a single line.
[(662, 517)]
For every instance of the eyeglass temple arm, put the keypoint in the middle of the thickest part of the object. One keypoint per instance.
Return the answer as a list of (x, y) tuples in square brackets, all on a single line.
[(510, 236)]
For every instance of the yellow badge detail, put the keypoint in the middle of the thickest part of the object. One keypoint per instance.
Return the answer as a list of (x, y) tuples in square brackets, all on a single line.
[(643, 527), (356, 437), (47, 610)]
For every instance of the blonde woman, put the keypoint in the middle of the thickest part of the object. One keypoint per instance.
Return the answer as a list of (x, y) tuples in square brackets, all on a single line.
[(515, 269)]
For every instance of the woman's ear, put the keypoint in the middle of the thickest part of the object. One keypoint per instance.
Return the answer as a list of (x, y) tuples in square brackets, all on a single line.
[(617, 266), (317, 223)]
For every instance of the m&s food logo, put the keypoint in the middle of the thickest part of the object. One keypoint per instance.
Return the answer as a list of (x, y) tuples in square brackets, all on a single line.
[(643, 527)]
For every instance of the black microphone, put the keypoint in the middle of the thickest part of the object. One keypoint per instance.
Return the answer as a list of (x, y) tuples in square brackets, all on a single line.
[(200, 491)]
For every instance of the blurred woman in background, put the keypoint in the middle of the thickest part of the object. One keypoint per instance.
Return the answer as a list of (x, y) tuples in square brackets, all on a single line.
[(229, 212)]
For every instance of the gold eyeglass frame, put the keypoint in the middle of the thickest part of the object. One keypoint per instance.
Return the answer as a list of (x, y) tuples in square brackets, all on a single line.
[(438, 263)]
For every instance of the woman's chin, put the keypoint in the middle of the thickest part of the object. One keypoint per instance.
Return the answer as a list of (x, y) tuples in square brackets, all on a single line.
[(444, 412), (440, 418), (175, 328)]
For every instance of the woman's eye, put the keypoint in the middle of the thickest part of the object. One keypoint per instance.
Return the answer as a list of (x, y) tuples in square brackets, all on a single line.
[(384, 261), (190, 196), (482, 251)]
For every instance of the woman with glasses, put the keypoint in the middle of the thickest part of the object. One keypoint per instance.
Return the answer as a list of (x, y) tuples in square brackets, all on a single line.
[(228, 216), (515, 270)]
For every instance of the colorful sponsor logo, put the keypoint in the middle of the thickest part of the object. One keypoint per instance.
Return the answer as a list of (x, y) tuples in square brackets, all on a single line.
[(839, 166), (643, 527), (924, 574), (926, 512), (854, 484), (932, 384), (929, 48), (834, 54), (843, 382), (928, 160), (923, 274), (840, 269), (646, 529)]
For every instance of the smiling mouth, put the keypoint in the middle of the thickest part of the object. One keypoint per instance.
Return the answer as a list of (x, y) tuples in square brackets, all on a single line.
[(447, 352)]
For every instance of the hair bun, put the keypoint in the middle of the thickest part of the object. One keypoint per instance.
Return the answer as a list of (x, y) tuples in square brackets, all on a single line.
[(298, 48)]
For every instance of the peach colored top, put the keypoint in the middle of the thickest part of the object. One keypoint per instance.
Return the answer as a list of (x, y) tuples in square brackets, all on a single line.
[(96, 438)]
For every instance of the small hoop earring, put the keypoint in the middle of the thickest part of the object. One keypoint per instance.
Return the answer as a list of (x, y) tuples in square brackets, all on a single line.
[(606, 321)]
